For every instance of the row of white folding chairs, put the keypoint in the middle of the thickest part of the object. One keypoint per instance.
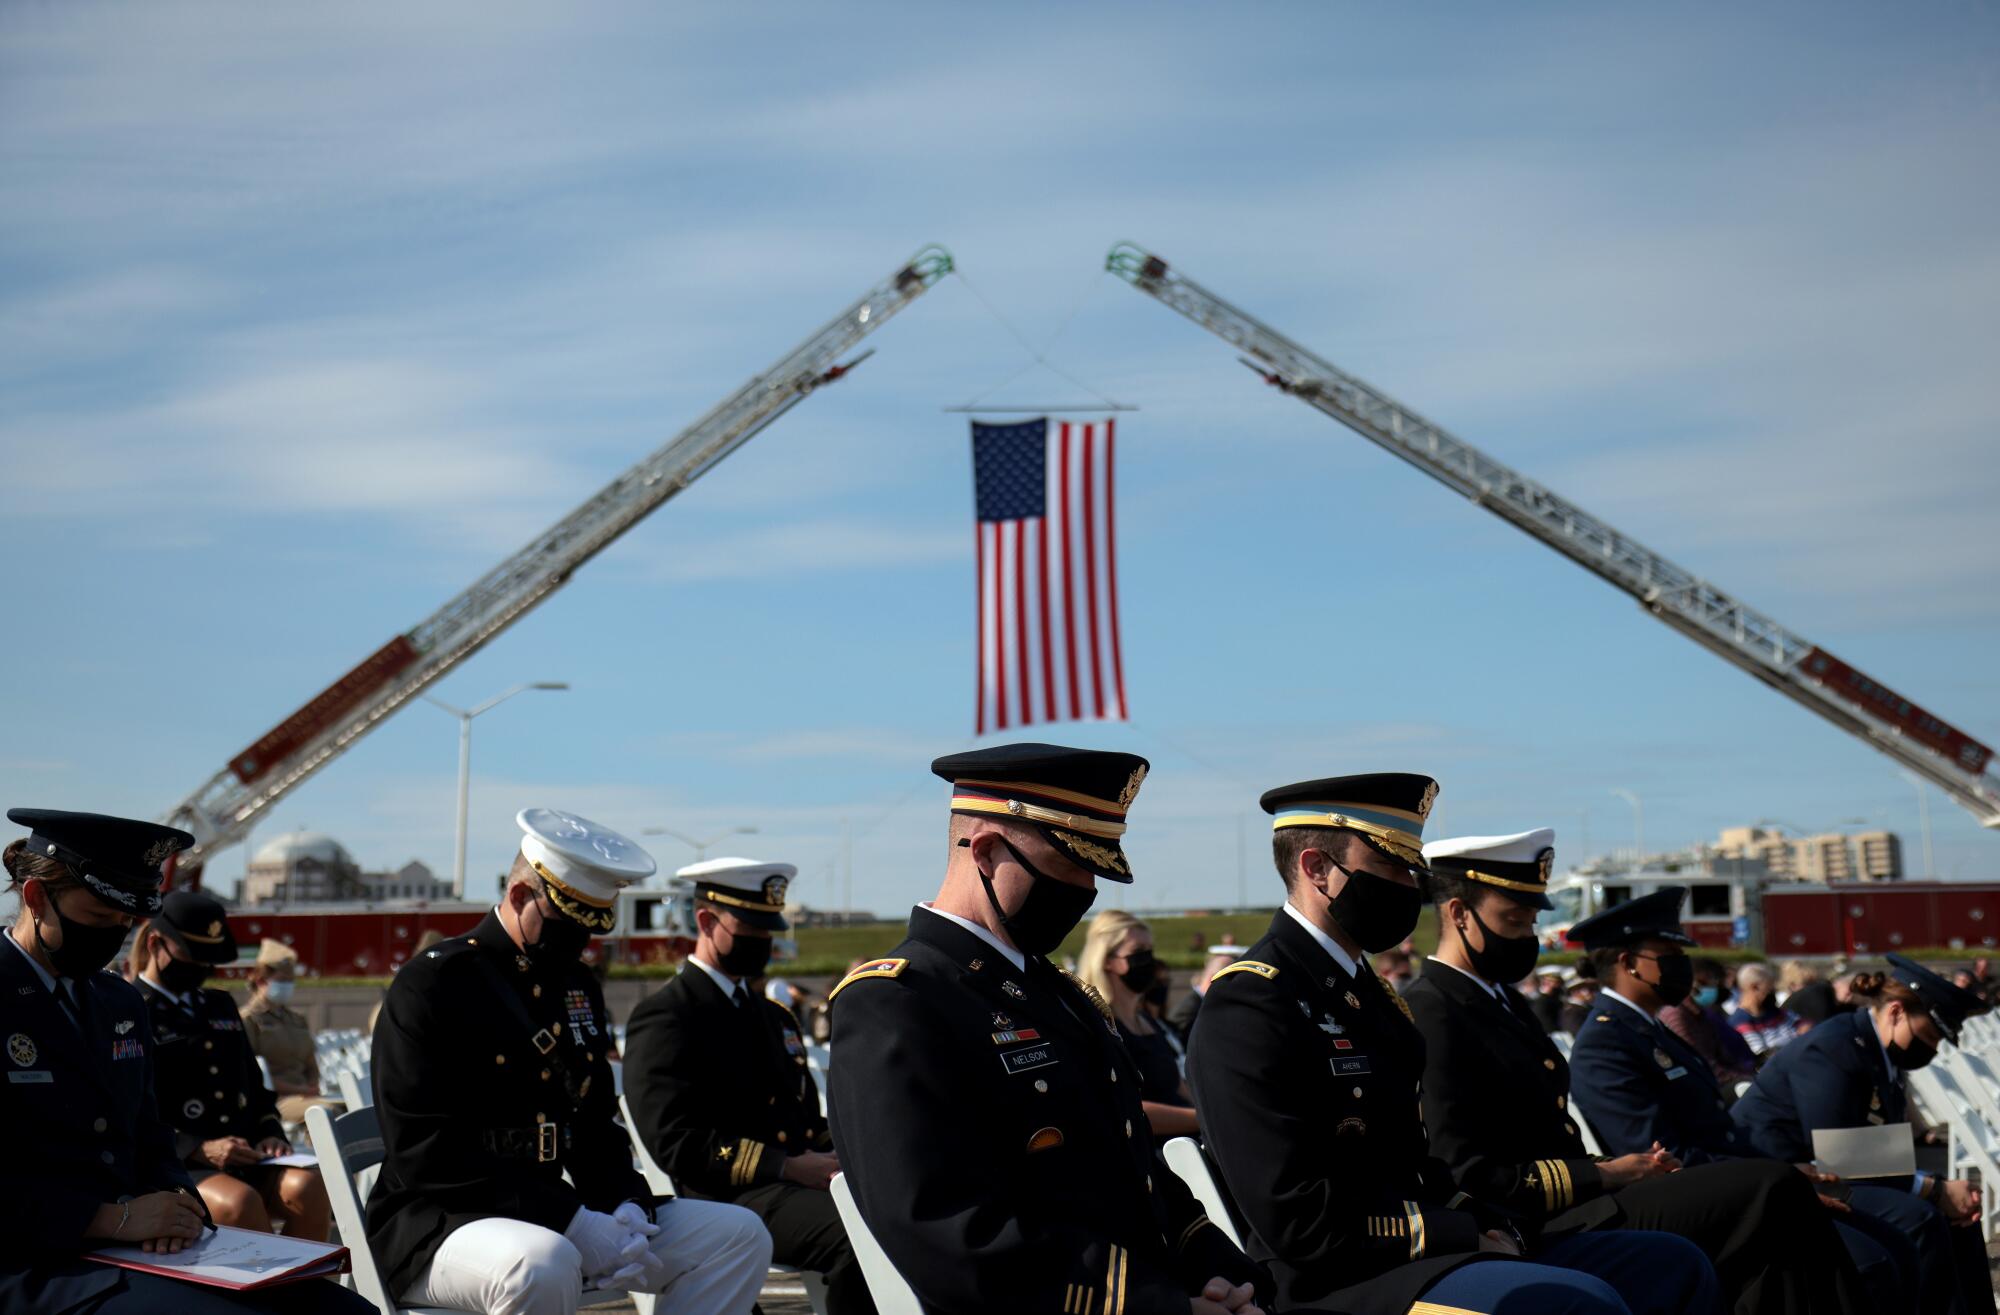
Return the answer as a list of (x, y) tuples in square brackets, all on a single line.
[(1957, 1092)]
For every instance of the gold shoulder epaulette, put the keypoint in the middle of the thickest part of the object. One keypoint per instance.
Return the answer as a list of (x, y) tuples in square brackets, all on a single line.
[(1090, 993), (873, 968), (1263, 970)]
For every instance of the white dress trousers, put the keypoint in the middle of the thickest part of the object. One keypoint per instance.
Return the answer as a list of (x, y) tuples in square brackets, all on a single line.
[(716, 1257)]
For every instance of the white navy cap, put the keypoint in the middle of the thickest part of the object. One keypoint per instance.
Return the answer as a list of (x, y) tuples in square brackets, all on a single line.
[(1232, 951), (750, 888), (1517, 865), (583, 864)]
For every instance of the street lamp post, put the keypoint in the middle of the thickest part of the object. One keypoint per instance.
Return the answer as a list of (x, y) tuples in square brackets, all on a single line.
[(700, 847), (465, 716), (1638, 827)]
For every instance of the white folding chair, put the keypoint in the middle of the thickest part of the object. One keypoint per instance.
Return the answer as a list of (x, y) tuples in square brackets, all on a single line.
[(661, 1183), (356, 1089), (1183, 1155), (1564, 1043), (349, 1147), (1973, 1144), (1584, 1131), (892, 1292)]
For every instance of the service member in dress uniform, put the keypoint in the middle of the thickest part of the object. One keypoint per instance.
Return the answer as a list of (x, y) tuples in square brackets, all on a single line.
[(1308, 1074), (716, 1076), (89, 1163), (987, 1117), (1848, 1073), (1641, 1087), (212, 1094), (1496, 1103), (492, 1081)]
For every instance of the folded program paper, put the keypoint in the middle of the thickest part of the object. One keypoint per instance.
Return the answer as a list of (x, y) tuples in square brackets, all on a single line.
[(1884, 1151)]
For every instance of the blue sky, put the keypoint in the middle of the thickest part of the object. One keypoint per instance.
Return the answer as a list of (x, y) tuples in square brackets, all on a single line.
[(308, 317)]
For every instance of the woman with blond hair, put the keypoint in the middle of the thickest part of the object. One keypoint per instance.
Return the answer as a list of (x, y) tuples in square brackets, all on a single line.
[(1117, 962)]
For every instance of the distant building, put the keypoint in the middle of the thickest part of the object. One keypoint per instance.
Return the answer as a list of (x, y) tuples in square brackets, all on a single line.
[(1768, 847), (1831, 856), (1881, 854), (308, 867), (1825, 857)]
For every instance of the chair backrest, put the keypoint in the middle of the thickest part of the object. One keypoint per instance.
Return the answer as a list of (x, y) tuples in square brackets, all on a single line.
[(658, 1181), (356, 1089), (892, 1293), (1183, 1155), (347, 1147), (1563, 1042), (1584, 1132)]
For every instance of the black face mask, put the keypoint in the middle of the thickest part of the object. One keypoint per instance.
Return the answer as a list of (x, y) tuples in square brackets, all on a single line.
[(1377, 912), (747, 956), (1913, 1056), (1503, 959), (85, 949), (178, 976), (561, 941), (1140, 969), (1676, 977), (1049, 913)]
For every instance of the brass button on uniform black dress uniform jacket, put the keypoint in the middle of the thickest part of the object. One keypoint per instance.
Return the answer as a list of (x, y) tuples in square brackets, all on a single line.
[(989, 1122), (478, 1119)]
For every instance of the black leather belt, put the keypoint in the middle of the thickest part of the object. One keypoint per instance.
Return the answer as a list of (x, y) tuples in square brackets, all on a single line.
[(543, 1143)]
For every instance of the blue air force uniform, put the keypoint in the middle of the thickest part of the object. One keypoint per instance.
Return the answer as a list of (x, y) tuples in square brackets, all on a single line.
[(1308, 1073), (83, 1126), (1636, 1083), (1838, 1075)]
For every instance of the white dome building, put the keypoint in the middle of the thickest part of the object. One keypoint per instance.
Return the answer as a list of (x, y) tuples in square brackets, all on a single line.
[(311, 867), (301, 867)]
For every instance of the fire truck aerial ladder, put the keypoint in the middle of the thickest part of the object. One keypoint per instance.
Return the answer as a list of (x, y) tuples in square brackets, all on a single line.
[(222, 810), (1725, 625)]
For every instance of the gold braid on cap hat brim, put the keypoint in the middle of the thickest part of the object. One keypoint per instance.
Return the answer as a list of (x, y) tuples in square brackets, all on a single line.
[(1473, 874), (1397, 844), (574, 905)]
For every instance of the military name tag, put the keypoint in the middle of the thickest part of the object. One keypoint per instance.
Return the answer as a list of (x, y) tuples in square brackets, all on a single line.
[(1020, 1061), (1673, 1073), (1349, 1066), (32, 1075)]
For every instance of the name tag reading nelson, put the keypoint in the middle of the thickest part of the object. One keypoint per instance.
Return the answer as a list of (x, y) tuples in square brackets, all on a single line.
[(1027, 1057)]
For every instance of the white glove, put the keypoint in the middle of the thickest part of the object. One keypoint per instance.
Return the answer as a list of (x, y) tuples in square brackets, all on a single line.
[(605, 1244), (636, 1219)]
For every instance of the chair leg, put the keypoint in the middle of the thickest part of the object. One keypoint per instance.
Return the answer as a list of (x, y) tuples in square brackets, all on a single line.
[(645, 1302)]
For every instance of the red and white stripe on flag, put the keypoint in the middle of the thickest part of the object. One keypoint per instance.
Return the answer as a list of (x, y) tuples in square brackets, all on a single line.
[(1048, 642)]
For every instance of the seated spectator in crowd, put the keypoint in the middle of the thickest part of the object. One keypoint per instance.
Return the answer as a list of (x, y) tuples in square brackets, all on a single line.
[(1181, 1017), (1818, 1000), (224, 1118), (1117, 962), (1396, 968), (1577, 996), (1545, 999), (1762, 1021), (280, 1035), (1699, 1021)]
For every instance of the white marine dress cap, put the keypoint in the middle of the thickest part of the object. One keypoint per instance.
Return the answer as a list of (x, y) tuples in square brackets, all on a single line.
[(582, 863)]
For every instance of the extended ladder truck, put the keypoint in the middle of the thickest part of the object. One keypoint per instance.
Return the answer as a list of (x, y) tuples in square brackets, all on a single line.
[(1916, 739), (222, 811)]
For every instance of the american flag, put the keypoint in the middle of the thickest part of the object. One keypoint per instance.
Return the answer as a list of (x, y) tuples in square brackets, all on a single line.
[(1048, 573)]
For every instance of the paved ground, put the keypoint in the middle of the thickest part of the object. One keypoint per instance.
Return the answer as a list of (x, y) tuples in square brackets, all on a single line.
[(781, 1297)]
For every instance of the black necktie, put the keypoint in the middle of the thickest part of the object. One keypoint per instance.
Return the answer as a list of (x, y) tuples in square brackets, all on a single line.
[(742, 996), (72, 999)]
